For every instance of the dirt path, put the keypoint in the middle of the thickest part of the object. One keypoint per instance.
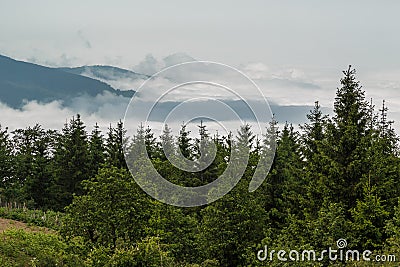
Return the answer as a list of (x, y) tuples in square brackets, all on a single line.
[(8, 224)]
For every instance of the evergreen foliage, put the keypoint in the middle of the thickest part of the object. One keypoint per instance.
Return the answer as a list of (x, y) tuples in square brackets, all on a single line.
[(337, 177)]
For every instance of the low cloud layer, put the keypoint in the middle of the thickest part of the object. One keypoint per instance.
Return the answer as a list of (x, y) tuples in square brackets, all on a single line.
[(290, 91)]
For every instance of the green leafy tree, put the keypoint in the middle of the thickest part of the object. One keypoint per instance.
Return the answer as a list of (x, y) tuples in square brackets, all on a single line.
[(114, 210), (6, 167), (176, 228)]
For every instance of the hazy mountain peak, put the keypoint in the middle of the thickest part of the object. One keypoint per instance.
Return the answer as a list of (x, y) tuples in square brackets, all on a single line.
[(20, 81), (177, 58)]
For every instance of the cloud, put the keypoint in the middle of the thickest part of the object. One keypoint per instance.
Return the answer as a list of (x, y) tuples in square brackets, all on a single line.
[(107, 108), (150, 65), (288, 87), (291, 92), (51, 115), (256, 70), (116, 79), (84, 39), (177, 58), (104, 109)]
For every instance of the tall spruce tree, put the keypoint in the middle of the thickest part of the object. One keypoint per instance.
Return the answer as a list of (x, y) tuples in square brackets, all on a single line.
[(347, 142), (368, 220), (166, 143), (313, 132), (34, 148), (382, 153), (151, 143), (285, 179), (315, 171), (165, 149), (115, 145), (203, 151), (184, 142), (96, 151), (233, 223), (71, 162)]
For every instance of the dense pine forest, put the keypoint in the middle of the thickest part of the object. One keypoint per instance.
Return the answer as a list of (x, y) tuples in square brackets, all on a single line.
[(337, 177)]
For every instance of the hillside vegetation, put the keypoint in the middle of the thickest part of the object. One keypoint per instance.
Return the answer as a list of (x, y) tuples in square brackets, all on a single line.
[(338, 178)]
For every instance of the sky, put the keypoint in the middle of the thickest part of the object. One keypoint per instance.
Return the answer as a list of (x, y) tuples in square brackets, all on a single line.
[(303, 45)]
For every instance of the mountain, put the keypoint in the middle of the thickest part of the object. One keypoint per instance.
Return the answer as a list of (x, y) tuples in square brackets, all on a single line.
[(109, 73), (20, 81), (120, 79)]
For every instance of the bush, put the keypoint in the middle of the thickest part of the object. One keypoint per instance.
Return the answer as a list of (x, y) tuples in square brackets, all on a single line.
[(49, 219), (20, 248)]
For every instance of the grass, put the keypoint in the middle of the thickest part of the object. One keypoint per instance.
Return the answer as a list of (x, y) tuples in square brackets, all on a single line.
[(48, 219), (7, 224)]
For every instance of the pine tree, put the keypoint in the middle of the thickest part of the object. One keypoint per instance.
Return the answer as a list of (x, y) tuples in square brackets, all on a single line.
[(96, 151), (136, 152), (167, 143), (369, 217), (286, 179), (166, 152), (392, 230), (204, 150), (315, 171), (184, 142), (34, 148), (115, 145), (245, 137), (150, 142), (313, 133), (387, 134), (347, 142), (71, 162), (232, 224), (384, 161)]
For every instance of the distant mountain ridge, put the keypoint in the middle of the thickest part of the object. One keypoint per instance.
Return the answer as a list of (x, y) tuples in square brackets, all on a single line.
[(103, 72), (23, 81)]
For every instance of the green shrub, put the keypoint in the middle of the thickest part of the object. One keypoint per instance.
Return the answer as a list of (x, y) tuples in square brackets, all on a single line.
[(20, 248), (49, 219)]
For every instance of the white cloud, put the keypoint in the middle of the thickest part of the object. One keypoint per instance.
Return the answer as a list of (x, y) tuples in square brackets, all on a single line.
[(85, 41), (51, 115), (126, 82), (283, 86), (149, 65), (103, 109)]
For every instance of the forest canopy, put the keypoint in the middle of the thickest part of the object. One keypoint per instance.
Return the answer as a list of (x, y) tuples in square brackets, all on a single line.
[(337, 177)]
